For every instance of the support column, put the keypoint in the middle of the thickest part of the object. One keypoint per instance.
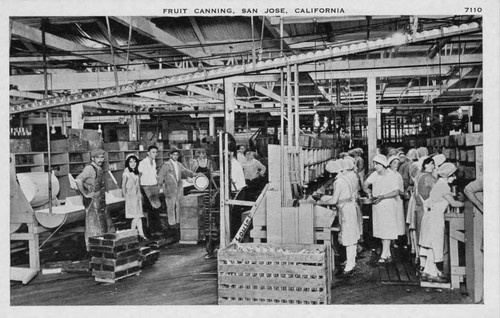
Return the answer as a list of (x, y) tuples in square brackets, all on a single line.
[(372, 131), (77, 116), (229, 106)]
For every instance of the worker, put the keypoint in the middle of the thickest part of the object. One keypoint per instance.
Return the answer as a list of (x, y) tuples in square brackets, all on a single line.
[(431, 239), (240, 154), (237, 188), (357, 153), (148, 180), (202, 164), (404, 171), (254, 172), (90, 183), (400, 215), (348, 163), (424, 184), (170, 177), (474, 192), (384, 189), (132, 193), (344, 197)]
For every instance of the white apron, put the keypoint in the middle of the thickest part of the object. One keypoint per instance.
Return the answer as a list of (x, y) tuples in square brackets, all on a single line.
[(432, 229), (348, 218)]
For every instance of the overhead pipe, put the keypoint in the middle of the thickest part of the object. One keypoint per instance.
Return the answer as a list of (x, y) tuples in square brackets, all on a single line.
[(202, 76)]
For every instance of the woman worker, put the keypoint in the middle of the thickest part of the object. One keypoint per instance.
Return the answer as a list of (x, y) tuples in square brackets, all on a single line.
[(201, 163), (393, 166), (432, 232), (385, 189), (132, 194), (423, 186), (344, 197)]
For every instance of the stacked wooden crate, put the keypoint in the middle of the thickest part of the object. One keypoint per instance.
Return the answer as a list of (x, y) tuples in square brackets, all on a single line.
[(148, 257), (466, 150), (273, 274), (192, 227), (114, 256)]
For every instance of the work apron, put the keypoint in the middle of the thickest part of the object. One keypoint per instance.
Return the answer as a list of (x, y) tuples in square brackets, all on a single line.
[(432, 231), (350, 231), (97, 219)]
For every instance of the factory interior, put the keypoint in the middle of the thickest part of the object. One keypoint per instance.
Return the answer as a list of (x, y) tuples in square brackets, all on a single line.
[(130, 136)]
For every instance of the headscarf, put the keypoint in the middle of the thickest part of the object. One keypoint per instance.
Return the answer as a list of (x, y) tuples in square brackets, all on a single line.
[(391, 158), (348, 163), (446, 169), (392, 152), (422, 151), (439, 159), (381, 159), (333, 166), (412, 154)]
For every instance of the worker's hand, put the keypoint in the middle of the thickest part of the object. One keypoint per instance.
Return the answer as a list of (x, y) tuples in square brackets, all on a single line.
[(460, 197), (376, 200)]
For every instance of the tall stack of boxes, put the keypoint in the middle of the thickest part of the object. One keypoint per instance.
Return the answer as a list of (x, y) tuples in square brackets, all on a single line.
[(115, 256), (192, 220)]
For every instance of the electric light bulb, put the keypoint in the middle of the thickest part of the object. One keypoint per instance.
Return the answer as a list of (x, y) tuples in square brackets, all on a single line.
[(99, 130)]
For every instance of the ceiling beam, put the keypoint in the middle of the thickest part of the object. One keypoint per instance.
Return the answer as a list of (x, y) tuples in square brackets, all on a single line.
[(299, 20), (199, 35), (58, 43), (149, 29), (264, 91)]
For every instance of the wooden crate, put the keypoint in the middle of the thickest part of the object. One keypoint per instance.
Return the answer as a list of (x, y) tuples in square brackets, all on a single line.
[(273, 274), (479, 160), (20, 145), (475, 139)]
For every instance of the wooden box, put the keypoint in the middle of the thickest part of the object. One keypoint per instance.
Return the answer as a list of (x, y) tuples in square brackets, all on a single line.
[(470, 173), (77, 145), (59, 145), (479, 160), (116, 145), (20, 145), (192, 218), (463, 155), (471, 155), (475, 139), (273, 274)]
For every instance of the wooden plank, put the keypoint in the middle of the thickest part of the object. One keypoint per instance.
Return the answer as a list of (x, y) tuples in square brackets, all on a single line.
[(273, 294), (296, 269), (411, 272), (233, 256), (306, 224), (403, 276), (289, 225), (273, 217), (272, 281), (393, 274), (384, 275)]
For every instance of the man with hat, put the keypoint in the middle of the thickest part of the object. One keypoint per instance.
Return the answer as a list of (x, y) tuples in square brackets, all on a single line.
[(170, 177), (90, 183)]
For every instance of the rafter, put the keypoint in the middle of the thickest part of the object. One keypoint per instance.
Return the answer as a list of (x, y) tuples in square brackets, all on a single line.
[(58, 43), (149, 29)]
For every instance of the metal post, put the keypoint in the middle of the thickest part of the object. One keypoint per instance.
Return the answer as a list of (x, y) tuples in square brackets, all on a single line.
[(46, 95)]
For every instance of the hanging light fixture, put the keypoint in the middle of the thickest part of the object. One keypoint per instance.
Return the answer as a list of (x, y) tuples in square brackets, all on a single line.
[(53, 130), (99, 130)]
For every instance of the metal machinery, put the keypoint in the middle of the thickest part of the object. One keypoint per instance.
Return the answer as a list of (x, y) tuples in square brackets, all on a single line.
[(28, 206)]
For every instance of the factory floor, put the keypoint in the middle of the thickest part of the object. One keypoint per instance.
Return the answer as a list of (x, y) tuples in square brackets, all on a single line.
[(182, 276)]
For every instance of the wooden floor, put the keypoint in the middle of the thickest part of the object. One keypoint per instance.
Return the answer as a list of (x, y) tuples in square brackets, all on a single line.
[(181, 276)]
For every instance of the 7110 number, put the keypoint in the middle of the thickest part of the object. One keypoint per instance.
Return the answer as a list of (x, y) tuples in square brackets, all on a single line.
[(473, 10)]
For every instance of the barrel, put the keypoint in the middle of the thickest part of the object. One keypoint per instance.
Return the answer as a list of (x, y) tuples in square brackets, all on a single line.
[(35, 186)]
